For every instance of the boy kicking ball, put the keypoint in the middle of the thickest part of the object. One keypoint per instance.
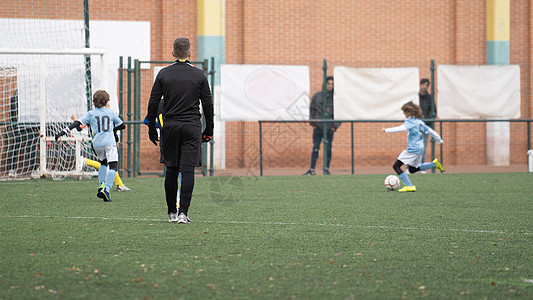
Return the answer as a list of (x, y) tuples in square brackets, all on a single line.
[(413, 155)]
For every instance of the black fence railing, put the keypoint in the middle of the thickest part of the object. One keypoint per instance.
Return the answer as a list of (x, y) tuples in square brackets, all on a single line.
[(438, 124)]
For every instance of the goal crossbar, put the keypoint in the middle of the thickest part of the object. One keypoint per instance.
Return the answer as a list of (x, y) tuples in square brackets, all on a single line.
[(81, 51)]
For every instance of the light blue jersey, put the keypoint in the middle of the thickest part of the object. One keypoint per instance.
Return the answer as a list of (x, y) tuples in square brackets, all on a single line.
[(415, 138), (102, 121)]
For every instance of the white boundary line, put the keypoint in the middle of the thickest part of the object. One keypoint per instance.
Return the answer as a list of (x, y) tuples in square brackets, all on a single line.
[(280, 223)]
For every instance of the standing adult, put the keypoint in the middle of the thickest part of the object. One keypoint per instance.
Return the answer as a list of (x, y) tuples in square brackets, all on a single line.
[(316, 111), (183, 88), (425, 104)]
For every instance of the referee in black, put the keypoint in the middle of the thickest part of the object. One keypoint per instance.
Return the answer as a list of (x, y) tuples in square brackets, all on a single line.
[(182, 87)]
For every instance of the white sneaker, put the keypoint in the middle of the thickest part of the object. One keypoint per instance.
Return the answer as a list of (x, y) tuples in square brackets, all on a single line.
[(123, 188), (182, 218), (173, 217)]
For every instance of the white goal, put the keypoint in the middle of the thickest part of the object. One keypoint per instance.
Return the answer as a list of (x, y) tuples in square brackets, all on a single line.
[(39, 91)]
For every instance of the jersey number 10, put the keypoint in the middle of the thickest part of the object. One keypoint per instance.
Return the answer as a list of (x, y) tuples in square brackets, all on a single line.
[(103, 126)]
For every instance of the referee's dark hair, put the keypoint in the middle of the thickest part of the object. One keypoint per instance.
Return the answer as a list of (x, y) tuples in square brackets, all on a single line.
[(424, 80), (182, 46)]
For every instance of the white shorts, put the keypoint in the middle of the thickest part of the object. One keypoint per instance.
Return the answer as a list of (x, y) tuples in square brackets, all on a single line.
[(107, 152), (411, 159)]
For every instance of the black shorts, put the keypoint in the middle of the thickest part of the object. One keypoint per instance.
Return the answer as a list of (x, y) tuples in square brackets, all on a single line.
[(182, 143)]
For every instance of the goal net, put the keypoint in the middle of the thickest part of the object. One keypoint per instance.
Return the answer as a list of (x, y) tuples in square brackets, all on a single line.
[(46, 76)]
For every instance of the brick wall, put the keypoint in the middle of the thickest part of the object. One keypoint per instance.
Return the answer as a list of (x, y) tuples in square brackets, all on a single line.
[(356, 33), (373, 34)]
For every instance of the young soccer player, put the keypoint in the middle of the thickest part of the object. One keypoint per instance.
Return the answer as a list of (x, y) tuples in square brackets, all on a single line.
[(104, 124), (414, 154), (95, 164)]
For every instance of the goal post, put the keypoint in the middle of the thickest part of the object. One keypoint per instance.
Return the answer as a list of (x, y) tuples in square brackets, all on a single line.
[(39, 91)]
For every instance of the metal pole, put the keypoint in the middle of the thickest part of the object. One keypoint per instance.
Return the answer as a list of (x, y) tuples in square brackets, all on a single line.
[(261, 148), (432, 113), (325, 116), (528, 136), (440, 125), (204, 149), (136, 117), (212, 143), (120, 109), (42, 116), (88, 78), (353, 169), (129, 114)]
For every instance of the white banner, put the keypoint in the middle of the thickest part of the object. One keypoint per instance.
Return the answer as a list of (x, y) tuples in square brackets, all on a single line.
[(372, 94), (478, 92), (264, 92)]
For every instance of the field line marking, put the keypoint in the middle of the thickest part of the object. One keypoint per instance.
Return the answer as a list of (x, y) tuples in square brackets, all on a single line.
[(281, 223)]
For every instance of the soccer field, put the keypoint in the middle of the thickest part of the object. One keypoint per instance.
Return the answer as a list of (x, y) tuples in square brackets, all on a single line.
[(460, 236)]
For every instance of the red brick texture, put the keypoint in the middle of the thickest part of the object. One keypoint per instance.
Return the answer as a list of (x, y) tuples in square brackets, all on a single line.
[(373, 34), (357, 33)]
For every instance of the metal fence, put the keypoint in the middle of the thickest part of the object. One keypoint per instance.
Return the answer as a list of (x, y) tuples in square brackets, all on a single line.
[(284, 148), (134, 90)]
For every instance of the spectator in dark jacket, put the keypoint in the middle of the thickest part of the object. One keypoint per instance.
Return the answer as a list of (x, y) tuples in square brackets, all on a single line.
[(316, 112), (425, 103)]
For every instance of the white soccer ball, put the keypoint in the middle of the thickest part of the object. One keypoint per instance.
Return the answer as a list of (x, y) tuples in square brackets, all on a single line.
[(392, 182)]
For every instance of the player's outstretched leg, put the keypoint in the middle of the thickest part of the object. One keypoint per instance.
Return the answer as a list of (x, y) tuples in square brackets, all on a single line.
[(435, 164), (120, 185), (438, 165), (426, 166), (92, 163)]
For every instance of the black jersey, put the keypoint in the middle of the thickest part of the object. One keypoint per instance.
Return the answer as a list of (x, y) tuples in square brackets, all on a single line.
[(182, 86)]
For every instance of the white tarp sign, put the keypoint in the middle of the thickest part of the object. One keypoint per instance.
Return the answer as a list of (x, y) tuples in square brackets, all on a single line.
[(374, 93), (484, 92), (264, 92)]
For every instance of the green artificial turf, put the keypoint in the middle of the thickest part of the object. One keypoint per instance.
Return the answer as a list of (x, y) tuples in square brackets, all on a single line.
[(459, 236)]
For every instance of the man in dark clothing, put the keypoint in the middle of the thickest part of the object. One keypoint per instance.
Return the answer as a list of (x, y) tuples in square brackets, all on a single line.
[(425, 104), (425, 98), (183, 87), (316, 111)]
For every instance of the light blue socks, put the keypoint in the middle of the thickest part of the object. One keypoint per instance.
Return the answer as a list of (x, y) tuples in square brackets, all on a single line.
[(426, 166), (102, 173), (405, 179), (110, 179)]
